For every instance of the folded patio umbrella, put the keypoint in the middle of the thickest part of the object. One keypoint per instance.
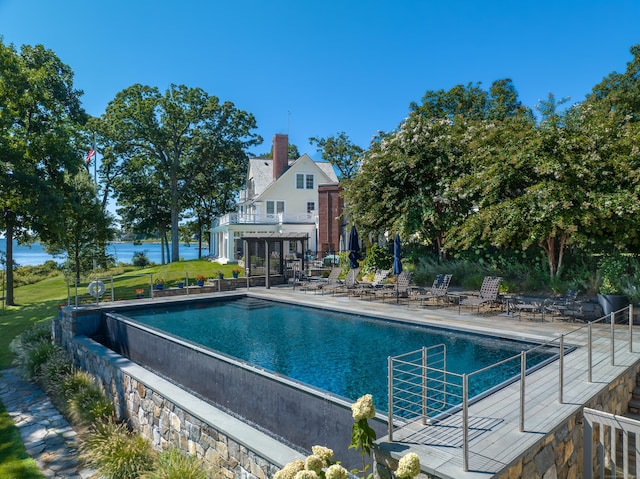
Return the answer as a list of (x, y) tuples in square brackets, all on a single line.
[(354, 248)]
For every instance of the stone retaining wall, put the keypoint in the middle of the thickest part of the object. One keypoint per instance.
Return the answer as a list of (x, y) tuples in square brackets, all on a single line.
[(166, 414)]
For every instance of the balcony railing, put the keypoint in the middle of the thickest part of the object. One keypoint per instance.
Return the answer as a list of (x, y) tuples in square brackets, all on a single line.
[(279, 218)]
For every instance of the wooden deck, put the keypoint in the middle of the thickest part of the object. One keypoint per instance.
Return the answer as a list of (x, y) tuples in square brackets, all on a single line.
[(494, 436)]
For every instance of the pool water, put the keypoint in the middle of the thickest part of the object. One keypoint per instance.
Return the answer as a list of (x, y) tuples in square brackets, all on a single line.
[(344, 354)]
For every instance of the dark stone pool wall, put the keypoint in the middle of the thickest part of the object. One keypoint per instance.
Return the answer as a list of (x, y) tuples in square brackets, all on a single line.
[(300, 415)]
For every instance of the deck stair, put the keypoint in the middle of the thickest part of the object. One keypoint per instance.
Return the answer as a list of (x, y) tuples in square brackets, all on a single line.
[(249, 304), (633, 411)]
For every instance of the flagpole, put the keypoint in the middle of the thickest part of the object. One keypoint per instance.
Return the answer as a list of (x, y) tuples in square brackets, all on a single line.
[(95, 163)]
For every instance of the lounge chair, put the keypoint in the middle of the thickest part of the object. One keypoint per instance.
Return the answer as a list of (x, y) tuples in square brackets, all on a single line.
[(349, 283), (401, 289), (318, 285), (488, 294), (438, 290), (528, 305), (566, 306), (368, 289)]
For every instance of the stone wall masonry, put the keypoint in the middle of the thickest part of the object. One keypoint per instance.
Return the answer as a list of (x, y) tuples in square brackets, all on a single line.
[(559, 453), (165, 414)]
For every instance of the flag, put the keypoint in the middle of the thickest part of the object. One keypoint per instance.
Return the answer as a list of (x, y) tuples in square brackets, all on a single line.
[(92, 152)]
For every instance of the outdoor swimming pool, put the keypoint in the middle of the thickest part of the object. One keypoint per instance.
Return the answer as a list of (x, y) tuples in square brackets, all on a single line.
[(341, 353)]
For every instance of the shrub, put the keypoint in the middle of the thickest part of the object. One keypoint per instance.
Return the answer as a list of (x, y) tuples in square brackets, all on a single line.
[(89, 405), (140, 259), (36, 333), (74, 383), (31, 356), (117, 453), (377, 258), (173, 464), (53, 372)]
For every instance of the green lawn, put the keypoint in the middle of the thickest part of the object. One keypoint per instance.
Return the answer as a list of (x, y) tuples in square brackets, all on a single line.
[(40, 302), (15, 463)]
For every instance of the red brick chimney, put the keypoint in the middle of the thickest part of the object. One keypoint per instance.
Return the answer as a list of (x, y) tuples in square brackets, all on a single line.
[(280, 154)]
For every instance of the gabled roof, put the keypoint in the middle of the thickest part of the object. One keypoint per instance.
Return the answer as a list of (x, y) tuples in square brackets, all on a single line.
[(261, 169)]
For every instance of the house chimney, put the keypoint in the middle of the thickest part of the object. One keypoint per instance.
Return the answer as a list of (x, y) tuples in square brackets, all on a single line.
[(280, 154)]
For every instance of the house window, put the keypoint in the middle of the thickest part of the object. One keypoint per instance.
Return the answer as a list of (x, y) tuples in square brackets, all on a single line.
[(304, 181), (274, 207), (311, 206)]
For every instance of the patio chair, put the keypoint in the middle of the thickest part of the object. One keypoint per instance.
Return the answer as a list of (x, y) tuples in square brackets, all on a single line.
[(349, 283), (401, 289), (368, 289), (317, 285), (438, 290), (488, 294), (566, 306), (528, 305)]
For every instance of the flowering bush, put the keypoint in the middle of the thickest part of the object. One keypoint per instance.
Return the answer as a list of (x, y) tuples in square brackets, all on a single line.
[(363, 408), (408, 466), (320, 464)]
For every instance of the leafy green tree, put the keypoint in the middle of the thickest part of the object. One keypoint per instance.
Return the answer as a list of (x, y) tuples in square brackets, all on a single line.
[(565, 181), (620, 92), (180, 133), (40, 119), (292, 153), (143, 207), (404, 182), (86, 227), (340, 152)]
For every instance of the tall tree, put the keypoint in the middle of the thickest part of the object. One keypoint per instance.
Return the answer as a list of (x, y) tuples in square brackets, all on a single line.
[(40, 117), (340, 152), (180, 133), (86, 226), (404, 183)]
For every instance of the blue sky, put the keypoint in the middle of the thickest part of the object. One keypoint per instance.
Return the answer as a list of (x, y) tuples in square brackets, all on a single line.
[(311, 68)]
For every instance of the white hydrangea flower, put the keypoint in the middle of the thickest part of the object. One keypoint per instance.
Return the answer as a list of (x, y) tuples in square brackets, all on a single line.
[(315, 463), (408, 466), (363, 408), (336, 471), (323, 452)]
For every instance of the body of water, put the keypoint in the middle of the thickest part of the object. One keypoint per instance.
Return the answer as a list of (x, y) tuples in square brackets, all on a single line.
[(122, 252)]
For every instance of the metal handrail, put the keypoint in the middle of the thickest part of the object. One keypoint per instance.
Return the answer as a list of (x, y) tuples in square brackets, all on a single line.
[(455, 403)]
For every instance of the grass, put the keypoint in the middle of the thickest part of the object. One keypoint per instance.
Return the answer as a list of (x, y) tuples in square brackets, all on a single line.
[(14, 460), (39, 302)]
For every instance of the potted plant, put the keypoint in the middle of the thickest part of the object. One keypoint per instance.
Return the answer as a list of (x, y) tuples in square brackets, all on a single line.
[(200, 279), (235, 272), (159, 283), (139, 293), (611, 295), (180, 284), (220, 275)]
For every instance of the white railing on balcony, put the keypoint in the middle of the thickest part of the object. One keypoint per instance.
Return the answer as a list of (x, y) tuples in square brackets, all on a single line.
[(279, 218)]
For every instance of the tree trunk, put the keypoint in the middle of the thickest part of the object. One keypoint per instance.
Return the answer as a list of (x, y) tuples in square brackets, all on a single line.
[(555, 254), (9, 301), (175, 214), (199, 238)]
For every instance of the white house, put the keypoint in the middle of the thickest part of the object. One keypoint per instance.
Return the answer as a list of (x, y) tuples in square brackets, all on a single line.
[(279, 197)]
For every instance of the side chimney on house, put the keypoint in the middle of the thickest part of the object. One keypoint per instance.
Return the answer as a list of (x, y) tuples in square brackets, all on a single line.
[(280, 154)]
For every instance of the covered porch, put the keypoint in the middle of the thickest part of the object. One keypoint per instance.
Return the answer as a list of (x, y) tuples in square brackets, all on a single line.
[(265, 255)]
